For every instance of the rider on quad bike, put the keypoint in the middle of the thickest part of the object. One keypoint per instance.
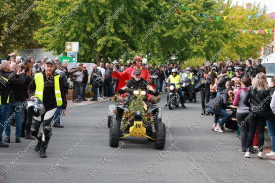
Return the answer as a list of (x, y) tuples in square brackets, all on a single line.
[(137, 116)]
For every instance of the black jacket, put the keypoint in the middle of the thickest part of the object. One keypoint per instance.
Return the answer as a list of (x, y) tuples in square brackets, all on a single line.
[(258, 101), (205, 84), (64, 79), (8, 80), (85, 77), (219, 103), (17, 94), (96, 78), (49, 99)]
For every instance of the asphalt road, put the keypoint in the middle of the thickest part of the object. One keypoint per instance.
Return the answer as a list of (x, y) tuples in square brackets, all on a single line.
[(80, 153)]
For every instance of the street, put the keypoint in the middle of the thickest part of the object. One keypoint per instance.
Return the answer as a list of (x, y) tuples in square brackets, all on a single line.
[(81, 153)]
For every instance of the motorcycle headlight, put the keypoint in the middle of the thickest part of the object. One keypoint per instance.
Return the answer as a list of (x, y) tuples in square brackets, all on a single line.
[(135, 92), (171, 87), (143, 93), (183, 84)]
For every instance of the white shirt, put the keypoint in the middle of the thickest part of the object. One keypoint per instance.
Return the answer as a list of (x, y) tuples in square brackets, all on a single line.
[(102, 72)]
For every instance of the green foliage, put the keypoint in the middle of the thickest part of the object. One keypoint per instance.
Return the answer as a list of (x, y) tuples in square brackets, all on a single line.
[(193, 62), (137, 105), (18, 21)]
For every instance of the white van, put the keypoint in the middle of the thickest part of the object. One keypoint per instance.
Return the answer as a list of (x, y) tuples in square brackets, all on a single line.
[(269, 63)]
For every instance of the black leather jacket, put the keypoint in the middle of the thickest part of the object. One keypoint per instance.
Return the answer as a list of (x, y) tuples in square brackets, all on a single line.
[(258, 101)]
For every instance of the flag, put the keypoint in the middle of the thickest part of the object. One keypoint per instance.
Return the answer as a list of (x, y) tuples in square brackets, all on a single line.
[(266, 31), (249, 16), (233, 16), (273, 16), (178, 12), (241, 16), (210, 21), (217, 18), (203, 15), (186, 8), (225, 17), (266, 15)]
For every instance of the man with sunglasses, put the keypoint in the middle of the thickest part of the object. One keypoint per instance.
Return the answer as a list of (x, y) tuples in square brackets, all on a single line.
[(217, 106)]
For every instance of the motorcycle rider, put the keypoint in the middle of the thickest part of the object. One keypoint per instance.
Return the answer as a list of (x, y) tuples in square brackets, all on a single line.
[(49, 89), (175, 78), (189, 75)]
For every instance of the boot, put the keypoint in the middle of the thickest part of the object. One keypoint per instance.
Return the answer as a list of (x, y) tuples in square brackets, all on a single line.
[(43, 152), (7, 140), (28, 136), (17, 140), (37, 147)]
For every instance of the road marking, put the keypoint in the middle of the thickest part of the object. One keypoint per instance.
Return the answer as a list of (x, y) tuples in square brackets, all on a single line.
[(271, 162)]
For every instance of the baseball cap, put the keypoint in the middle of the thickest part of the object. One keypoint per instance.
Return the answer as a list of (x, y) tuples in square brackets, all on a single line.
[(137, 72), (49, 61)]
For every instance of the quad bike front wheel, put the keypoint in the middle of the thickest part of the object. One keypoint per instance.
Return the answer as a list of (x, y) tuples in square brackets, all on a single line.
[(114, 133), (110, 118), (160, 136)]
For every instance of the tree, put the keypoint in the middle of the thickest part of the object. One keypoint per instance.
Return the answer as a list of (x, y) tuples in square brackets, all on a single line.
[(18, 21)]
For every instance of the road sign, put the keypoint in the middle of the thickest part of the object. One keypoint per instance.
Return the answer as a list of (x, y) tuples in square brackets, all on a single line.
[(66, 59), (73, 55), (72, 47)]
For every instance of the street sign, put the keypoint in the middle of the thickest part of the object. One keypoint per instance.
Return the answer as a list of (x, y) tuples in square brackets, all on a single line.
[(72, 47), (66, 59), (73, 55)]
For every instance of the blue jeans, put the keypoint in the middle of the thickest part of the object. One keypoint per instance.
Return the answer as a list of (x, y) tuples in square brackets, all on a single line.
[(271, 131), (4, 114), (82, 90), (16, 111), (158, 88), (225, 116), (57, 116)]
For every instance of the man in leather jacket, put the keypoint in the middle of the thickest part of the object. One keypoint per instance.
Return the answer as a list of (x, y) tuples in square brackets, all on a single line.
[(96, 79)]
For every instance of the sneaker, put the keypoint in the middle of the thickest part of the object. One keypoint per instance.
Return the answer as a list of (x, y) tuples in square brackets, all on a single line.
[(214, 126), (260, 155), (7, 140), (3, 144), (218, 129), (110, 98), (270, 154), (247, 155), (17, 140)]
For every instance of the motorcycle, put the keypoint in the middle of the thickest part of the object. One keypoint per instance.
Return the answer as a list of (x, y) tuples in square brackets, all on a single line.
[(173, 96), (137, 118), (188, 90)]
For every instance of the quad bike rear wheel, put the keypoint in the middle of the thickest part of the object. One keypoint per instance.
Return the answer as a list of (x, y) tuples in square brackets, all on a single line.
[(160, 136), (115, 133)]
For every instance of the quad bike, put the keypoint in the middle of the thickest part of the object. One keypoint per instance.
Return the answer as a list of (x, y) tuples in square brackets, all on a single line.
[(137, 118), (173, 96)]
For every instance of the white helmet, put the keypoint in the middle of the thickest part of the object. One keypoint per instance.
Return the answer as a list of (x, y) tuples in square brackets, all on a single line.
[(188, 69), (36, 107), (174, 70)]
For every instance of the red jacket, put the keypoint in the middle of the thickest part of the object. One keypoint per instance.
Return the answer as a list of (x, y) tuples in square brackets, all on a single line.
[(126, 75)]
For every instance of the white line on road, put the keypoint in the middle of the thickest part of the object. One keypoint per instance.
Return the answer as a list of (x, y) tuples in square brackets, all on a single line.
[(271, 161)]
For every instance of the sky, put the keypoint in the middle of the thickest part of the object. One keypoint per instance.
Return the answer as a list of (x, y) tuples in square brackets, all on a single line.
[(269, 3)]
